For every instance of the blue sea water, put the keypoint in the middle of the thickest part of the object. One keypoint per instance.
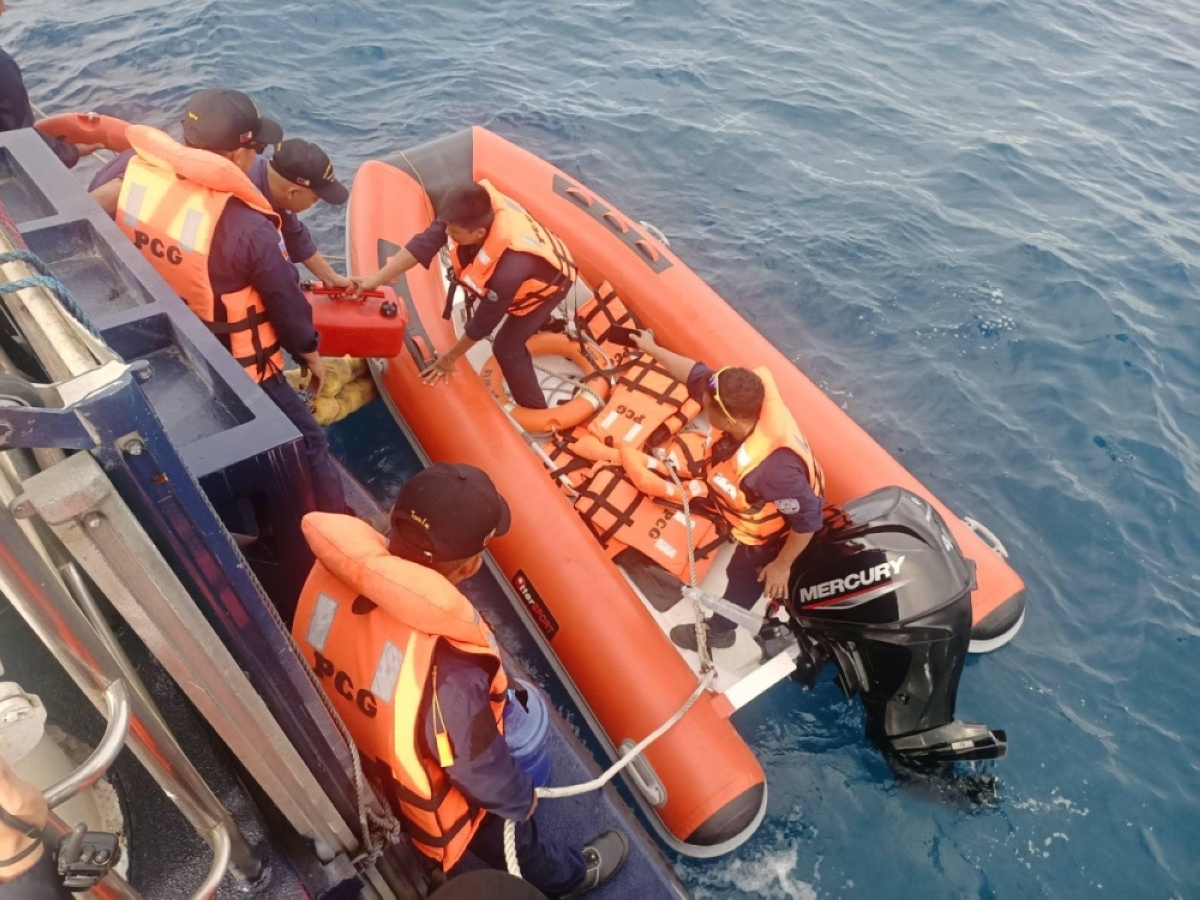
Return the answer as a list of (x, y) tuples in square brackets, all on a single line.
[(973, 222)]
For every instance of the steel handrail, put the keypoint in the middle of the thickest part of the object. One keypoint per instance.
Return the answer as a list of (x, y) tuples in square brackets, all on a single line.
[(221, 849), (94, 767), (33, 588)]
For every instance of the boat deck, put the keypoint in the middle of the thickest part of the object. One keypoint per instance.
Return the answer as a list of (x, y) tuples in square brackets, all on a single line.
[(742, 672)]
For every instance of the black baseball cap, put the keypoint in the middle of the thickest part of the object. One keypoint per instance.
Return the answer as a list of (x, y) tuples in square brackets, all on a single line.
[(308, 165), (223, 120), (448, 512)]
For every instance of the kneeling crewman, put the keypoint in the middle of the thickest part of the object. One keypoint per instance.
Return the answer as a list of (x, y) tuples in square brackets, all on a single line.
[(416, 674), (762, 477)]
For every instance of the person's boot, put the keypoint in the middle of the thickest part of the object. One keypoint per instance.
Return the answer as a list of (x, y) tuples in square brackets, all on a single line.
[(685, 636), (604, 856)]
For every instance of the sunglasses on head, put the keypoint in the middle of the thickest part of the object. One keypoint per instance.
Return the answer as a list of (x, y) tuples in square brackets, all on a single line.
[(714, 388)]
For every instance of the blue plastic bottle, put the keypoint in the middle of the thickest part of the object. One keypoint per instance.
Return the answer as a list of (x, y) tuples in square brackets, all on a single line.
[(527, 733)]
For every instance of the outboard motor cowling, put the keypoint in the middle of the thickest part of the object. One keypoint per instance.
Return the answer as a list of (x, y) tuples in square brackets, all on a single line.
[(884, 592)]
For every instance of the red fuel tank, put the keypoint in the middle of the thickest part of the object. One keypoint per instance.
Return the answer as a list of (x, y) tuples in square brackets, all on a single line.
[(371, 326)]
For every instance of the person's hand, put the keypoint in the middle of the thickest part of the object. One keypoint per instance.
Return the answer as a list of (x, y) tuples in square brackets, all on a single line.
[(88, 149), (340, 281), (441, 368), (532, 807), (366, 283), (774, 577), (315, 367), (23, 801), (644, 340)]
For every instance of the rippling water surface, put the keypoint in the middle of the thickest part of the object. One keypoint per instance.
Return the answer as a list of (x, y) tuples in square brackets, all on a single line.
[(973, 222)]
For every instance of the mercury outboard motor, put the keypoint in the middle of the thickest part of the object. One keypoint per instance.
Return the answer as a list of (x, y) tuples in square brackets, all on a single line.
[(884, 592)]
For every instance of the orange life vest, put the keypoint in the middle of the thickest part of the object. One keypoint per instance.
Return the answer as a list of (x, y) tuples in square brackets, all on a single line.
[(601, 311), (514, 229), (645, 403), (574, 454), (620, 516), (375, 661), (171, 200), (688, 450), (651, 475), (757, 521)]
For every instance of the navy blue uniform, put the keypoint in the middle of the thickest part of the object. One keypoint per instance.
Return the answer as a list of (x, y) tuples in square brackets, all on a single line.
[(486, 772), (296, 236), (512, 270), (16, 111), (245, 251), (782, 479)]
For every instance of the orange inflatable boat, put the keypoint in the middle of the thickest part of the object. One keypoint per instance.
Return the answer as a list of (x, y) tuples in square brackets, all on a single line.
[(597, 549)]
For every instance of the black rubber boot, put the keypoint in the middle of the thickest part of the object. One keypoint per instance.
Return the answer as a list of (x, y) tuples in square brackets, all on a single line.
[(604, 857), (685, 636)]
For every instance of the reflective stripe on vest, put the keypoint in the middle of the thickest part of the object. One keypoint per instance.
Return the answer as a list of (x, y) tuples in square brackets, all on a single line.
[(644, 399), (757, 521), (171, 200), (375, 662), (515, 229), (620, 516)]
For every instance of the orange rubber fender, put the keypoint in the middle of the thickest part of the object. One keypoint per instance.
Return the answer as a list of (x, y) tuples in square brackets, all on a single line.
[(558, 418), (86, 128), (650, 476)]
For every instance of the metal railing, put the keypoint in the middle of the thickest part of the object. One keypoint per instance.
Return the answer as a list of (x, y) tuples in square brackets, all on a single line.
[(33, 588)]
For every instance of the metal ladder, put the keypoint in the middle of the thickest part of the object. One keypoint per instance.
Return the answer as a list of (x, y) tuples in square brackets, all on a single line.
[(61, 517)]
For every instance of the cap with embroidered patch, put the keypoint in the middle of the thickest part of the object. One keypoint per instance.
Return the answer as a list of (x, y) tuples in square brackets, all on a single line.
[(308, 165), (222, 120), (448, 512)]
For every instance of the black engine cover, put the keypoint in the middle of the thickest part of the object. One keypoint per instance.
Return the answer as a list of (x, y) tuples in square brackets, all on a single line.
[(885, 559), (884, 592)]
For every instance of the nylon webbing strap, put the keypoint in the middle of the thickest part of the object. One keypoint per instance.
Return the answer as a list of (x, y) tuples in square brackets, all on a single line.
[(261, 358), (641, 371), (680, 416), (563, 447), (566, 260), (451, 290), (749, 516), (603, 308), (694, 466), (600, 503)]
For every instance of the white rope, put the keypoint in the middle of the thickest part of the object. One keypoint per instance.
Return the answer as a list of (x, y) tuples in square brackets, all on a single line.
[(708, 674), (568, 378), (510, 827), (706, 663)]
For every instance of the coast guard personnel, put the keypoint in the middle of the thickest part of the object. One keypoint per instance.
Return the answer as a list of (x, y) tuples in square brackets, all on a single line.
[(417, 677), (761, 475), (298, 175), (509, 263), (195, 216)]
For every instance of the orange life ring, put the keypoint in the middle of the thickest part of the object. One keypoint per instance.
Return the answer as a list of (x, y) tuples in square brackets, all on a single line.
[(557, 418), (86, 128)]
